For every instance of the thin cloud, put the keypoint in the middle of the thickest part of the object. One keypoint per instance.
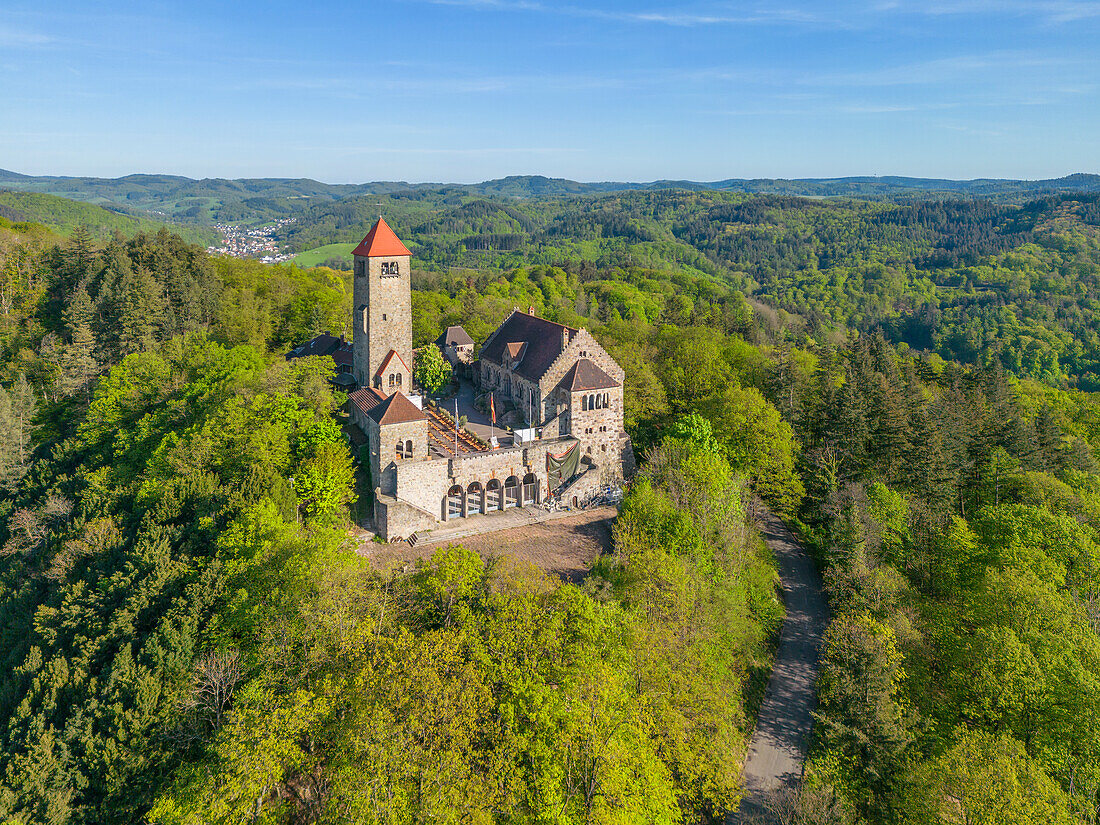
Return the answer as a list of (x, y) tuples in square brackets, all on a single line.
[(1051, 11), (22, 39), (937, 71), (664, 17)]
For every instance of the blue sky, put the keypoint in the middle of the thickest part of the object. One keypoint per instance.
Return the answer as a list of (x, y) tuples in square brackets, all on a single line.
[(465, 90)]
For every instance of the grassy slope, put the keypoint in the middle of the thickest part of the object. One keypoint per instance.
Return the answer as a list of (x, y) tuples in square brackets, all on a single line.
[(317, 256), (64, 215)]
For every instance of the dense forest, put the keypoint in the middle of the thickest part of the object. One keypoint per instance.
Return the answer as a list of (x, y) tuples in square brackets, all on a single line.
[(971, 281), (186, 638)]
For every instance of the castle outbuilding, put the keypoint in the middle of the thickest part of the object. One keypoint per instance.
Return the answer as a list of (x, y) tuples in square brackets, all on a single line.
[(425, 470)]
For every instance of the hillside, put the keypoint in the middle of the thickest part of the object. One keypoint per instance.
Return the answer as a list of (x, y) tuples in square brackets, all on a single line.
[(249, 200), (185, 636), (64, 214)]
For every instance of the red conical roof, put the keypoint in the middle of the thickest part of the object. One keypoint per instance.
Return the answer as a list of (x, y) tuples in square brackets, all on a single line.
[(380, 242)]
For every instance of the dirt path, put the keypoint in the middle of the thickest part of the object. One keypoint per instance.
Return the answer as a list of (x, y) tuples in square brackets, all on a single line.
[(778, 745), (565, 546)]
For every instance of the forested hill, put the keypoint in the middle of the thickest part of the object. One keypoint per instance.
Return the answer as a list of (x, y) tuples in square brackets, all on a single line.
[(187, 637), (974, 281), (64, 215), (222, 200)]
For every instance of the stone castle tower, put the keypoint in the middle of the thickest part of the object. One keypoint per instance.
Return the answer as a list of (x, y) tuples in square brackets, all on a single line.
[(382, 324)]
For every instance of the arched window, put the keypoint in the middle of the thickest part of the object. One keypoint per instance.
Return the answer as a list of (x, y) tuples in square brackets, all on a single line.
[(399, 377), (400, 451), (391, 381), (455, 501), (475, 498), (492, 495), (409, 448), (606, 400), (530, 489), (584, 402), (511, 492)]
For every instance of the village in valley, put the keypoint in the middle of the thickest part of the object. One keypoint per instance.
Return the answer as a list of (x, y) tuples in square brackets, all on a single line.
[(257, 242)]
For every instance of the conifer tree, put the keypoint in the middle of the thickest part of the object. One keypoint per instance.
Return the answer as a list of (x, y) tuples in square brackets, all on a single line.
[(131, 307)]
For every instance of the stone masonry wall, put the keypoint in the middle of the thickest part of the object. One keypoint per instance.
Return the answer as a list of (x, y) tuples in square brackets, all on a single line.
[(584, 342), (398, 519), (383, 315), (599, 430), (424, 484), (383, 450)]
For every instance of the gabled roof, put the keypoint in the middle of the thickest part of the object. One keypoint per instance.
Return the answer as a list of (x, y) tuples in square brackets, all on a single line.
[(323, 344), (386, 362), (454, 336), (366, 398), (586, 375), (380, 242), (397, 409), (543, 339), (515, 350)]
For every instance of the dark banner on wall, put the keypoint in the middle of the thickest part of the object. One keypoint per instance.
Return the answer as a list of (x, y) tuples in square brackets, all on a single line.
[(559, 469)]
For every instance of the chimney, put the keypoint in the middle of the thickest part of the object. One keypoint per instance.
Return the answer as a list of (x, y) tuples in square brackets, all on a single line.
[(530, 310), (564, 337)]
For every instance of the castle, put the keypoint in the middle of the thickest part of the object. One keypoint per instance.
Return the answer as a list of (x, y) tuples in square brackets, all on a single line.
[(425, 470)]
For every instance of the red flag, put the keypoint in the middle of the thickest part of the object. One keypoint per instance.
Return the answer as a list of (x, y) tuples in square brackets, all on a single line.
[(492, 408)]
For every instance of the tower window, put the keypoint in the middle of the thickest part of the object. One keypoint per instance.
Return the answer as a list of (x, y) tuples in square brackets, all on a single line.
[(383, 316), (390, 268)]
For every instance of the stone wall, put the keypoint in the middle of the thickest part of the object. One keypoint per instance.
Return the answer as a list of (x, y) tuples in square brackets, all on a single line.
[(383, 315), (597, 429), (424, 484), (592, 481), (396, 519), (383, 442), (583, 345)]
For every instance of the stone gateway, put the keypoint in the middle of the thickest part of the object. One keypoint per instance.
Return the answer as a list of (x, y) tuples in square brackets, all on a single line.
[(425, 470)]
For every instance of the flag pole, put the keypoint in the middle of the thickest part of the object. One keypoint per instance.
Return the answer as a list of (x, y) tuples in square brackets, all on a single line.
[(456, 426)]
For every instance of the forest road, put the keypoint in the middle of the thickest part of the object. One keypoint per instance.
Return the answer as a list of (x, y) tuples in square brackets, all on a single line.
[(778, 745)]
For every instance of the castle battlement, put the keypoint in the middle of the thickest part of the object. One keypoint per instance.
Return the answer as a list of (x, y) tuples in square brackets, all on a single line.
[(571, 386)]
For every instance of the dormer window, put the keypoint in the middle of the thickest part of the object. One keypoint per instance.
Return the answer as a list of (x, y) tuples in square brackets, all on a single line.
[(390, 269)]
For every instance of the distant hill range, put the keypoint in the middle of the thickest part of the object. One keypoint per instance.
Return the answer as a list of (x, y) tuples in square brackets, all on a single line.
[(212, 200)]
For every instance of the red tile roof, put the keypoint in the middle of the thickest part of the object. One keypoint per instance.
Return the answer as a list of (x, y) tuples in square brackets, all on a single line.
[(386, 362), (380, 243), (397, 409), (366, 399)]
